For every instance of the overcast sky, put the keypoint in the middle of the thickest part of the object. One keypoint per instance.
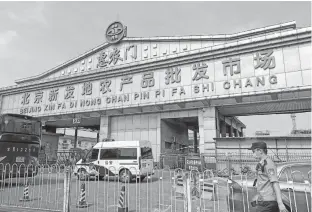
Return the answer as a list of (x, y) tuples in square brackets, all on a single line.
[(35, 37)]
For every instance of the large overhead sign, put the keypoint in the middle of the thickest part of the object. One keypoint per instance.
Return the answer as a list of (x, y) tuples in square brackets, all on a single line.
[(261, 71)]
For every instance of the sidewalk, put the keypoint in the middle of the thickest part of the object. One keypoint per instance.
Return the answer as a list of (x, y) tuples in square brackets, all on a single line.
[(15, 209)]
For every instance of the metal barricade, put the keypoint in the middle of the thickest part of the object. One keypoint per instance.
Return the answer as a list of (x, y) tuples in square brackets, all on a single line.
[(63, 188), (35, 187)]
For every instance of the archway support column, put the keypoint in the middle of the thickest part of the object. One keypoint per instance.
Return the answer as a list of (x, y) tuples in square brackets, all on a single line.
[(208, 130), (105, 127)]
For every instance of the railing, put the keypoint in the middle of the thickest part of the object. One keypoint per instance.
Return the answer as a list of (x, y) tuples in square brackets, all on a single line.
[(246, 163), (62, 188), (35, 187), (70, 156), (224, 164), (174, 161)]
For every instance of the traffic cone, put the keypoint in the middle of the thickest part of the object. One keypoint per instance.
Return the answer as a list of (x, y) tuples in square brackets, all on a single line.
[(122, 203), (26, 197), (179, 180), (82, 200)]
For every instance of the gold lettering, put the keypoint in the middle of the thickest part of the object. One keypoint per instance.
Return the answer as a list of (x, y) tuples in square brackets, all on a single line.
[(226, 85), (260, 81), (114, 99), (173, 91), (136, 95), (205, 87), (196, 89), (239, 83), (157, 93), (248, 83), (182, 91), (93, 102), (273, 79), (145, 95), (99, 101), (126, 98)]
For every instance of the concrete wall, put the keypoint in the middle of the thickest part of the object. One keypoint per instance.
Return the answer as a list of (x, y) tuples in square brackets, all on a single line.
[(171, 130)]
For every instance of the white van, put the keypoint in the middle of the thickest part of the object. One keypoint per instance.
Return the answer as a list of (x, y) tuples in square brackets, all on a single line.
[(126, 159)]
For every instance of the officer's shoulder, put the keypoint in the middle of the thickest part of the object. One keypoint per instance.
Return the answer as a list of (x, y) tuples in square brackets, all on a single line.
[(270, 161)]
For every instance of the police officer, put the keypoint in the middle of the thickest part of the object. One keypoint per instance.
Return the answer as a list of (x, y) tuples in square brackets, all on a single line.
[(269, 197)]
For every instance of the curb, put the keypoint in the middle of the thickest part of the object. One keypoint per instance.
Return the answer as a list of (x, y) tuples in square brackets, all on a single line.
[(20, 209)]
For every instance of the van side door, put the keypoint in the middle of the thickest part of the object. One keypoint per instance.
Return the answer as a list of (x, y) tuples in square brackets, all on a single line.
[(147, 162), (108, 162)]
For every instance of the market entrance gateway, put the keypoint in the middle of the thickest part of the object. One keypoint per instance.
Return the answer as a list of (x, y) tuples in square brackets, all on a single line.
[(161, 88)]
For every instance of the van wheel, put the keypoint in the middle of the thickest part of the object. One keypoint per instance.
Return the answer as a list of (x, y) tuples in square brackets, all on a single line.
[(125, 176)]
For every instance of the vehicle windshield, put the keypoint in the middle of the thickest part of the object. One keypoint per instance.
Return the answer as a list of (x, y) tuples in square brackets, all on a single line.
[(92, 155), (13, 124), (146, 153)]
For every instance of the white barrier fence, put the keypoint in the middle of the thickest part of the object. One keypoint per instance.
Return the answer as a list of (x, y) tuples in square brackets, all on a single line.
[(58, 188)]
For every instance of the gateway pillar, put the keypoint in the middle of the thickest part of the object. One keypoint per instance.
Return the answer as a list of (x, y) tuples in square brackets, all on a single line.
[(207, 130), (105, 127)]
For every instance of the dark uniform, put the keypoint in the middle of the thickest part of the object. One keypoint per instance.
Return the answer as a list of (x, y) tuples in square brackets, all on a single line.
[(265, 200)]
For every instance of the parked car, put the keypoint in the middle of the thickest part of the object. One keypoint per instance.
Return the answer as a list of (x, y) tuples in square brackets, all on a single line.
[(295, 183)]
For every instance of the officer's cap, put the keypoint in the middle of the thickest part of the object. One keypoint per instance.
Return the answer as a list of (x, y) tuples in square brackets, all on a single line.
[(258, 145)]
